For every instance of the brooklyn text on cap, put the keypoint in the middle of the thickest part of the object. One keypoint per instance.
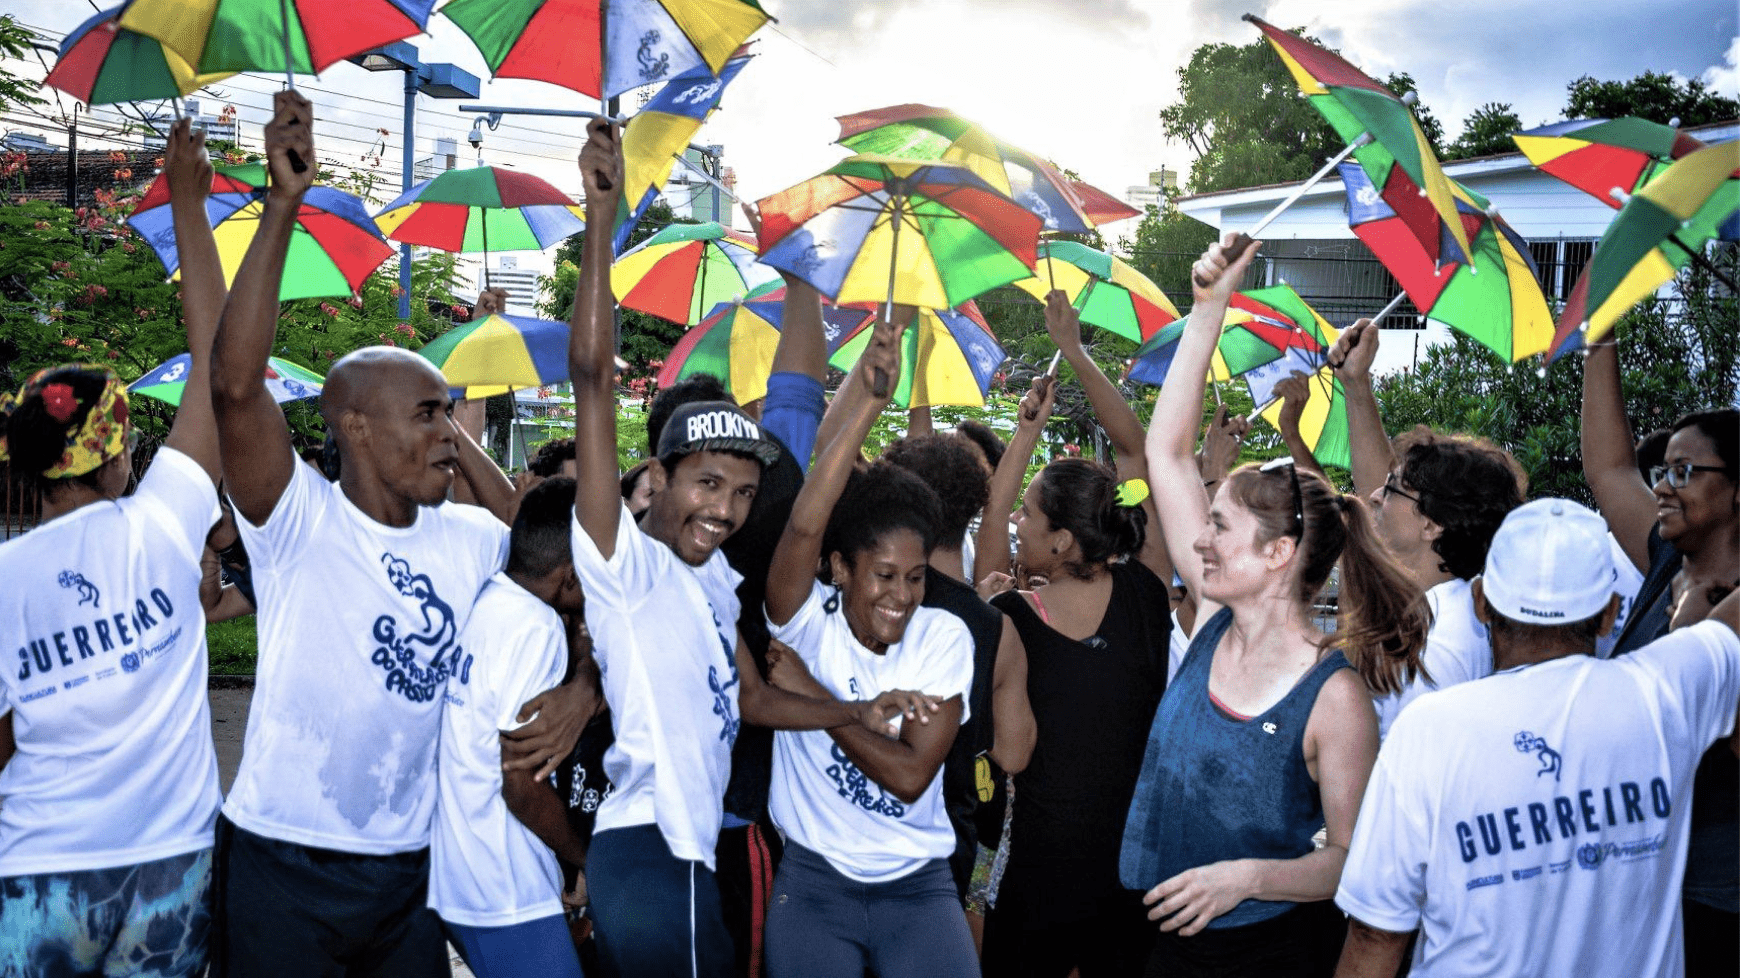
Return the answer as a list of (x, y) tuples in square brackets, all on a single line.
[(715, 426)]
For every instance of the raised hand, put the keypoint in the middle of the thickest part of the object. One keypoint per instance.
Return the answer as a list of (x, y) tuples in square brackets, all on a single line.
[(1037, 403), (290, 141), (879, 367), (1216, 276), (186, 164), (490, 301), (1062, 322), (601, 166), (1220, 444), (1354, 350), (1293, 392)]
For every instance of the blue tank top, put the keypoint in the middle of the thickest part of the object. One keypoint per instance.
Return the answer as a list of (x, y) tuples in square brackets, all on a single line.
[(1214, 788)]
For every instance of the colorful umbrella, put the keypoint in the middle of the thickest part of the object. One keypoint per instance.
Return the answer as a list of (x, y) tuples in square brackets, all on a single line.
[(685, 270), (923, 132), (1497, 301), (482, 210), (630, 43), (875, 229), (1661, 228), (287, 381), (334, 246), (1101, 207), (1323, 424), (947, 356), (1261, 326), (1598, 155), (1357, 107), (658, 135), (736, 343), (301, 36), (102, 62), (1106, 291), (498, 354)]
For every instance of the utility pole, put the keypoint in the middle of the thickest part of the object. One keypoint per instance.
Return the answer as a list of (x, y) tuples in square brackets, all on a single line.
[(72, 160)]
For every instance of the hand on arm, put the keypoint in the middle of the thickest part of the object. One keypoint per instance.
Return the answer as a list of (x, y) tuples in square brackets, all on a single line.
[(792, 699), (592, 345), (255, 441), (1610, 458), (1351, 358), (1173, 472), (991, 545), (189, 172), (1294, 392), (556, 718), (907, 765), (793, 570)]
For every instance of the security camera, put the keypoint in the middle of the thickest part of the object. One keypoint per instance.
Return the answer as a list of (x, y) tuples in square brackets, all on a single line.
[(476, 137)]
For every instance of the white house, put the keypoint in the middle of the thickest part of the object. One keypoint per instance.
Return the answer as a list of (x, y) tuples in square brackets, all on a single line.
[(1311, 247)]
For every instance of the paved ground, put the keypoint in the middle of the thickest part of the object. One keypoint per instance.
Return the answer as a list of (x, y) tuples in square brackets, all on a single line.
[(229, 720)]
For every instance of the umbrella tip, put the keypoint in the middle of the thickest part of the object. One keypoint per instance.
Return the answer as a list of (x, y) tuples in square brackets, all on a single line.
[(1619, 194), (1250, 19), (1410, 98), (1674, 123)]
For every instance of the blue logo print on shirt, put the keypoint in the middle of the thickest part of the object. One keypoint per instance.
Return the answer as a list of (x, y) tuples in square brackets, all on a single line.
[(856, 787), (1528, 743), (397, 653), (724, 701), (87, 590)]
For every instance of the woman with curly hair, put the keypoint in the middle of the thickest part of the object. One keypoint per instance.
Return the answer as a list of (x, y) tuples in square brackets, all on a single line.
[(1096, 636), (108, 805), (1267, 733)]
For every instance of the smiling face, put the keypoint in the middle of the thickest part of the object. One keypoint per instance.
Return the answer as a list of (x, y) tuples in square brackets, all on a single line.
[(700, 501), (1037, 545), (1234, 564), (1705, 506), (881, 586)]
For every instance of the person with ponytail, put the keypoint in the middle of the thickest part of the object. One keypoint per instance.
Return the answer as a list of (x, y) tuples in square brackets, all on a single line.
[(1268, 733), (1096, 636), (108, 805)]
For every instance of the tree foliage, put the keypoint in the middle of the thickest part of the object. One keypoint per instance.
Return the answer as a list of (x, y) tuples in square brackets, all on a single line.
[(1242, 114), (1652, 95), (1486, 132), (16, 41)]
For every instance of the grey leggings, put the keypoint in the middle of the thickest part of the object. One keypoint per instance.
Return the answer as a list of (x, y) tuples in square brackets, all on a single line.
[(824, 924)]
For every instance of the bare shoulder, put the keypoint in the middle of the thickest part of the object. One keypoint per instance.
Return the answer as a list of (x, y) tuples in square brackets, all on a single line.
[(1343, 705)]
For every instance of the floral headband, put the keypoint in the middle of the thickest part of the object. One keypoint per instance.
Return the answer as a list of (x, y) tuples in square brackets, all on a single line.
[(102, 436)]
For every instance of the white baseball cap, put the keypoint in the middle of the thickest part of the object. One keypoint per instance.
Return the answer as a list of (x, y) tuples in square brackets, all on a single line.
[(1549, 564)]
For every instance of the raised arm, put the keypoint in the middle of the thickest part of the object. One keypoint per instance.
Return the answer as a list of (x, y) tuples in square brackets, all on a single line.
[(1294, 392), (1610, 458), (194, 432), (1063, 322), (592, 346), (255, 441), (1173, 473), (489, 486), (991, 545), (793, 571), (1351, 358)]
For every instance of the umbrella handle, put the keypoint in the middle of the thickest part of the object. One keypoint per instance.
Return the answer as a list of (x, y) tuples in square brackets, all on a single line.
[(1240, 244), (879, 382), (296, 162)]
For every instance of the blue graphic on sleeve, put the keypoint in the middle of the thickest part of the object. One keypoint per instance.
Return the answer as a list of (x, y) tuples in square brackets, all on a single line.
[(87, 590), (856, 787), (724, 701), (397, 652), (1528, 743)]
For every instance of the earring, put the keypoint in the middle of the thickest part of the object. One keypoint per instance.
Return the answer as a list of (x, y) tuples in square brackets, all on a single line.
[(833, 603)]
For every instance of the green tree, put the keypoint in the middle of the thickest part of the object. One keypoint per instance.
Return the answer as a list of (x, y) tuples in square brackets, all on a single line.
[(1486, 131), (1651, 95), (16, 41), (1241, 112), (1675, 356)]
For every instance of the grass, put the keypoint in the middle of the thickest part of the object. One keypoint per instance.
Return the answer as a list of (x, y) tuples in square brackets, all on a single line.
[(233, 646)]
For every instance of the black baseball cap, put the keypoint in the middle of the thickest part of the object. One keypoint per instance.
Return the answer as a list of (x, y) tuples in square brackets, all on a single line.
[(715, 426)]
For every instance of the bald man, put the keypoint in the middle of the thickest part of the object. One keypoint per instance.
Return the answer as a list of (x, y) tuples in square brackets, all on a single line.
[(363, 585)]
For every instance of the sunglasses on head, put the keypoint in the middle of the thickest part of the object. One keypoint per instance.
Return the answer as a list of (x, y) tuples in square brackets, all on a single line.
[(1286, 461)]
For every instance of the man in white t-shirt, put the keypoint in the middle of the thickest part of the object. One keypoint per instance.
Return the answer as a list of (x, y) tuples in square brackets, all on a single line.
[(662, 608), (364, 585), (494, 878), (1436, 500), (1534, 822)]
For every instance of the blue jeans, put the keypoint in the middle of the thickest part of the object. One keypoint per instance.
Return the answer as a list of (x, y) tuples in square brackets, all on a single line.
[(824, 924), (655, 916), (540, 948), (149, 918)]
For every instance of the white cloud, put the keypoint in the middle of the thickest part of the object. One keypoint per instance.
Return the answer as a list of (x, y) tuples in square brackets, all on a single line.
[(1724, 78)]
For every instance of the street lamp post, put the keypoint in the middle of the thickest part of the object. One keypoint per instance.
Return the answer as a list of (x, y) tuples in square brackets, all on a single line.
[(435, 81)]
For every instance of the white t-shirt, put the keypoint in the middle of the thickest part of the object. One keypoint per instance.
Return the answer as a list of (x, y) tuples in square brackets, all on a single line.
[(107, 687), (822, 800), (1457, 650), (1627, 581), (486, 868), (665, 637), (1535, 822), (359, 628)]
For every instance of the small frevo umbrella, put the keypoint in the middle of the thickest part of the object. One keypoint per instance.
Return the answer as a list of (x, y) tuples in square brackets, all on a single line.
[(287, 381), (481, 210)]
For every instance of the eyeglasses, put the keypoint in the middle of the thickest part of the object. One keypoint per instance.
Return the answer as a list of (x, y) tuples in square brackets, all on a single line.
[(1298, 498), (1680, 473), (1392, 488)]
